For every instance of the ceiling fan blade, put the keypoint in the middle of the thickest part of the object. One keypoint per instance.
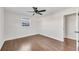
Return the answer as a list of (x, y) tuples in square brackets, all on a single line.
[(42, 11), (39, 13)]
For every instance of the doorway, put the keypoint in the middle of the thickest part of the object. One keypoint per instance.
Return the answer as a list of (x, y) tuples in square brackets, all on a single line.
[(69, 32)]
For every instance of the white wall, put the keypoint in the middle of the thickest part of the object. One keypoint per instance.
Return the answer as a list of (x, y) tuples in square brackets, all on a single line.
[(13, 28), (1, 26), (70, 26), (53, 25)]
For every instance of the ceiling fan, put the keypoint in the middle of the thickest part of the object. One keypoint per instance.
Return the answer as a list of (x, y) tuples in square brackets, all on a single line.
[(36, 11)]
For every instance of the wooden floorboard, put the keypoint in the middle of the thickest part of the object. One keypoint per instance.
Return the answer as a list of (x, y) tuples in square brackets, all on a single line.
[(38, 43)]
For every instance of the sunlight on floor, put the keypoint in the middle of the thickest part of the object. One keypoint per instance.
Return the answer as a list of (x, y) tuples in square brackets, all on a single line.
[(25, 47)]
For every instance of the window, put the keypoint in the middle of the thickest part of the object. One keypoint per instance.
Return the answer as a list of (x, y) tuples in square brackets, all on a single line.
[(25, 22)]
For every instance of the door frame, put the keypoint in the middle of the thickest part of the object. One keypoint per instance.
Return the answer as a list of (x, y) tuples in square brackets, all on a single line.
[(77, 29)]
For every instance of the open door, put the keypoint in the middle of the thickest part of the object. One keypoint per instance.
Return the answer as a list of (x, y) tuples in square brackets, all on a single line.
[(69, 32)]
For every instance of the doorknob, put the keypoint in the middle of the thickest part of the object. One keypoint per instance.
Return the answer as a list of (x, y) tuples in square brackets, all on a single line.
[(76, 31)]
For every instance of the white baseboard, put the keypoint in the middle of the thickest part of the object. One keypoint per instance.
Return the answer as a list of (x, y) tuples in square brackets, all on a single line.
[(19, 37), (71, 38), (54, 37), (31, 35)]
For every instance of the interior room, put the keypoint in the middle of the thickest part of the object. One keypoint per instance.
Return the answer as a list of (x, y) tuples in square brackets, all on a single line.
[(38, 28)]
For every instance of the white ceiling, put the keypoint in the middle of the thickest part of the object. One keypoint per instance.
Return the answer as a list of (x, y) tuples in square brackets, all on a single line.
[(23, 10)]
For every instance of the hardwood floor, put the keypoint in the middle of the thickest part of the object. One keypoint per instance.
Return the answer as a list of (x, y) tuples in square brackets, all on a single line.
[(69, 45), (38, 43)]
